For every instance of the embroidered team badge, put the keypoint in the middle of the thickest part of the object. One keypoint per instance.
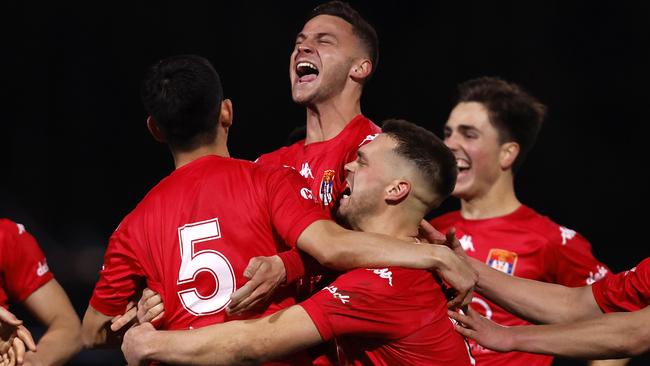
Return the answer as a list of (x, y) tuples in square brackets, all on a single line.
[(502, 260), (326, 186)]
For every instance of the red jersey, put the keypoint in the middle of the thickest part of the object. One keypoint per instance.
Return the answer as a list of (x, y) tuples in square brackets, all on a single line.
[(626, 291), (194, 233), (23, 268), (523, 244), (388, 316), (322, 164)]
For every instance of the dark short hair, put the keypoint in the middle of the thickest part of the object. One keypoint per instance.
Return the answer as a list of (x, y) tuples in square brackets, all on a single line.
[(360, 27), (429, 153), (183, 94), (516, 114)]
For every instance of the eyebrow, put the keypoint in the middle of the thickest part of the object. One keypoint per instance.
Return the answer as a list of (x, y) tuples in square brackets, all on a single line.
[(302, 36)]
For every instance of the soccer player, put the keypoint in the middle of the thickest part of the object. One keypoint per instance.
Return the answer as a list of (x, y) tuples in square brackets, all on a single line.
[(379, 316), (193, 234), (25, 279), (335, 54), (579, 329), (490, 131)]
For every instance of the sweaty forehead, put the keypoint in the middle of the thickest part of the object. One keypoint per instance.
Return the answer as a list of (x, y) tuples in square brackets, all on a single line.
[(472, 114), (381, 144)]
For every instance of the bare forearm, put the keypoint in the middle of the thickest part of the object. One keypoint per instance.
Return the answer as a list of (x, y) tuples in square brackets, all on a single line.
[(538, 302), (608, 336), (58, 344)]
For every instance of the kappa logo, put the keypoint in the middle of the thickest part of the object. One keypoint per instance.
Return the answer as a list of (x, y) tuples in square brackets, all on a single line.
[(567, 234), (383, 273), (21, 229), (368, 139), (305, 171), (306, 194), (466, 243), (334, 291), (42, 268)]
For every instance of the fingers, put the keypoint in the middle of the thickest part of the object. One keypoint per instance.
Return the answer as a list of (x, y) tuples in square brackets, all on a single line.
[(7, 317), (120, 321), (241, 294), (19, 349), (432, 235), (253, 265), (26, 337), (150, 307)]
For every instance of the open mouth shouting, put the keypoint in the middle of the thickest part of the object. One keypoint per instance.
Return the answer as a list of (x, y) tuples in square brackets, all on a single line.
[(306, 71)]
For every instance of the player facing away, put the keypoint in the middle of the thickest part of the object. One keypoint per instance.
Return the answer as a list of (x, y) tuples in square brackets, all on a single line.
[(193, 234), (335, 54), (578, 328), (25, 279), (490, 130), (379, 316)]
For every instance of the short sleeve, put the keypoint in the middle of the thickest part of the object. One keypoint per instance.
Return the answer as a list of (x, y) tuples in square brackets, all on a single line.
[(120, 276), (24, 267), (571, 261), (291, 204), (364, 302), (625, 291)]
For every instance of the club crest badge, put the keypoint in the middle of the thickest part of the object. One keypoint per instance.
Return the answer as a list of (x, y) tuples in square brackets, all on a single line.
[(326, 187), (502, 260)]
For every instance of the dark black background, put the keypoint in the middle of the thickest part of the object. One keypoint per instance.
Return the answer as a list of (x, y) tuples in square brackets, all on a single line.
[(77, 156)]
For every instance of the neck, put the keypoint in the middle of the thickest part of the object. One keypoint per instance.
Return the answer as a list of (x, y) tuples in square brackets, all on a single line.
[(327, 119), (185, 157), (499, 200), (394, 222)]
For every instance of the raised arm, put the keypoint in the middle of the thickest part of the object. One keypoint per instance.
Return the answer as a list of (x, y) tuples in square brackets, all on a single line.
[(233, 343)]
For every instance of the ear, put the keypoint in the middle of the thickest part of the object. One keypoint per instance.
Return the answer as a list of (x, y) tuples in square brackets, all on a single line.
[(508, 154), (154, 130), (397, 191), (226, 115), (362, 70)]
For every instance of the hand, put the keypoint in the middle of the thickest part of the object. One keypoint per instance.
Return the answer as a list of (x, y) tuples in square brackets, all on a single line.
[(150, 307), (430, 234), (457, 273), (136, 342), (15, 339), (484, 331), (129, 317), (265, 274)]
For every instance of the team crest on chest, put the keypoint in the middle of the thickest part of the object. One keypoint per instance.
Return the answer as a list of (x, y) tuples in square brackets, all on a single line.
[(502, 260), (326, 187)]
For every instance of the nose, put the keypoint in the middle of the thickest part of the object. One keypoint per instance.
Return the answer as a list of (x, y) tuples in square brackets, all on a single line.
[(349, 167), (305, 46), (451, 141)]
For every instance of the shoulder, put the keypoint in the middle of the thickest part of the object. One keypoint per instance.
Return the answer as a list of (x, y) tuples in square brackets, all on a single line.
[(541, 225), (446, 220), (382, 281), (277, 156)]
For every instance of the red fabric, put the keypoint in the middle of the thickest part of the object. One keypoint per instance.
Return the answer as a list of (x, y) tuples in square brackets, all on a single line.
[(390, 316), (529, 245), (625, 291), (23, 268), (320, 163), (205, 220)]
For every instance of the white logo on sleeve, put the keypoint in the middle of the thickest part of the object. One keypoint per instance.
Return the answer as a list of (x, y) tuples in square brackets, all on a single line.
[(466, 243), (383, 273), (21, 228), (369, 138), (42, 268), (306, 194), (334, 291), (597, 276), (305, 171), (567, 234)]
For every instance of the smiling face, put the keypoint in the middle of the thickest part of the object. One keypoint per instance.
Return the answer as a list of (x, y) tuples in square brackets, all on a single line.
[(367, 177), (475, 144), (322, 59)]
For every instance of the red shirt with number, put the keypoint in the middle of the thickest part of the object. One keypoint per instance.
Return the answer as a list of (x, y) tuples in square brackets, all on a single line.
[(322, 164), (523, 244), (194, 233), (388, 316), (625, 291), (23, 268)]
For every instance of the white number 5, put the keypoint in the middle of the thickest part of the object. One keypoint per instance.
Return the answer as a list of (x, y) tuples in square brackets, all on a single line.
[(209, 260)]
